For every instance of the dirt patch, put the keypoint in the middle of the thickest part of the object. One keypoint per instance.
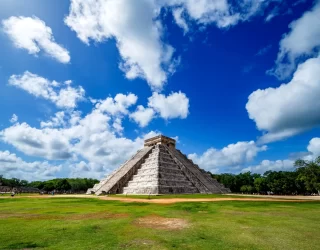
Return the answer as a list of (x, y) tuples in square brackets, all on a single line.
[(159, 222), (95, 216)]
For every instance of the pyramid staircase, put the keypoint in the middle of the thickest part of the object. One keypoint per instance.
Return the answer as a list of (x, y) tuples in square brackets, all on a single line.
[(160, 174), (114, 182)]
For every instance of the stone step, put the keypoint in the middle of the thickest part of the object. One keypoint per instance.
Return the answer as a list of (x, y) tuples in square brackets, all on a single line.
[(159, 163), (122, 171), (160, 169), (156, 159), (161, 175), (161, 154), (162, 182)]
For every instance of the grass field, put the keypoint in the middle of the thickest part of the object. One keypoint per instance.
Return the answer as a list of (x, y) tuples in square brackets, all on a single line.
[(85, 223)]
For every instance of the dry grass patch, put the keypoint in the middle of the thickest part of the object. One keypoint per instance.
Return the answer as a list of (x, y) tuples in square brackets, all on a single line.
[(158, 222), (95, 216)]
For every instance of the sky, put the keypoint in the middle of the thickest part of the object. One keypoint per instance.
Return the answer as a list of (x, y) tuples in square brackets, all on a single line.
[(84, 82)]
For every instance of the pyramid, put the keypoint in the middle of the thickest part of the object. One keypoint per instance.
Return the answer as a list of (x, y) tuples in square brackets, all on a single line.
[(158, 168)]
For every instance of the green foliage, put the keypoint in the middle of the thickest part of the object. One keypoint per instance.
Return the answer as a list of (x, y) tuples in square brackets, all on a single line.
[(304, 180), (309, 174), (74, 185), (246, 189), (14, 182)]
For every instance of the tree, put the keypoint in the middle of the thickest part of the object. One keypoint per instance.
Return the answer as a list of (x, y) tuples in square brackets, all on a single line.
[(62, 185), (246, 189), (309, 174), (260, 184), (48, 186)]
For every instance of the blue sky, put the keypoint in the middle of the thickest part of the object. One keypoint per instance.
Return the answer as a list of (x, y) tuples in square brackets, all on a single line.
[(83, 83)]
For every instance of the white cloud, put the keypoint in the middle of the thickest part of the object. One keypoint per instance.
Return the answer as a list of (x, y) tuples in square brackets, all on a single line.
[(14, 167), (62, 96), (175, 105), (14, 118), (88, 170), (96, 137), (180, 21), (56, 121), (136, 30), (230, 156), (117, 105), (291, 108), (47, 143), (302, 40), (219, 12), (117, 126), (266, 165), (142, 115), (207, 11), (314, 146), (32, 34)]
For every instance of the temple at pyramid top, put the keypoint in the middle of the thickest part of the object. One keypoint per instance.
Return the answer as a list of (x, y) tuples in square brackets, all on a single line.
[(160, 139), (158, 168)]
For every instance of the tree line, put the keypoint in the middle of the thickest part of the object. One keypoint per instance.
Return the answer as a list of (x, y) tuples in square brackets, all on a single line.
[(304, 180), (73, 185)]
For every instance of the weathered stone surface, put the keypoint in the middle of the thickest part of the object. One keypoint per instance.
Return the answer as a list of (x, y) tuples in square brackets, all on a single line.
[(158, 168)]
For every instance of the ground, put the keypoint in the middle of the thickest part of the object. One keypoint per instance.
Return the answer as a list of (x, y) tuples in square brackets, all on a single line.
[(67, 222)]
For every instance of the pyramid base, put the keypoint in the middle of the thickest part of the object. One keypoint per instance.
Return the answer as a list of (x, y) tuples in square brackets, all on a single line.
[(156, 190)]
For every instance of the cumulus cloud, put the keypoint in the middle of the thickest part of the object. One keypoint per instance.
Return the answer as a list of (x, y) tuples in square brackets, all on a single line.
[(32, 34), (14, 167), (222, 13), (266, 165), (14, 118), (136, 30), (95, 137), (117, 105), (314, 146), (47, 143), (291, 108), (142, 115), (303, 40), (175, 105), (230, 156), (63, 96), (56, 121)]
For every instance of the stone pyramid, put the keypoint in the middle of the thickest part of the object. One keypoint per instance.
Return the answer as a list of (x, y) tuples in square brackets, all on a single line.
[(158, 168)]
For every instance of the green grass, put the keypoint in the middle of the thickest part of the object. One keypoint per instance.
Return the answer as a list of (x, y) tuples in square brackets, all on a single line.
[(84, 223)]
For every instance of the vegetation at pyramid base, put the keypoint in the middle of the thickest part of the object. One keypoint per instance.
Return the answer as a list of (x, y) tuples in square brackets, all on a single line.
[(76, 185), (304, 180)]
